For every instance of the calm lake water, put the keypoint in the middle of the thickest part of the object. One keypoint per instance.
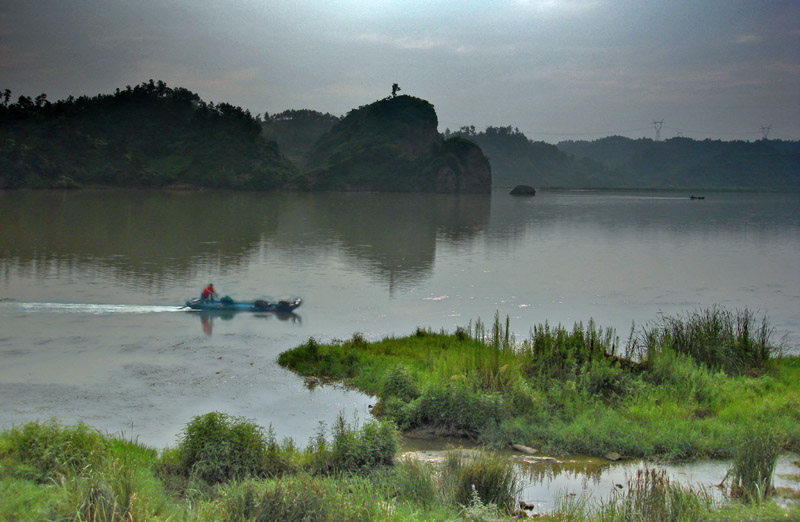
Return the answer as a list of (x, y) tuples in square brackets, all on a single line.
[(91, 282)]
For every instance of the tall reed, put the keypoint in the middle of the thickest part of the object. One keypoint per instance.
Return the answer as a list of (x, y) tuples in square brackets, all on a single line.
[(733, 341), (651, 496), (753, 465), (556, 353)]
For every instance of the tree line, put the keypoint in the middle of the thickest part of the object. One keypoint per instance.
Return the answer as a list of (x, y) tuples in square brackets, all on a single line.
[(147, 135)]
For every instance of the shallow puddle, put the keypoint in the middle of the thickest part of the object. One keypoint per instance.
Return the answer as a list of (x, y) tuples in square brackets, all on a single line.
[(544, 479)]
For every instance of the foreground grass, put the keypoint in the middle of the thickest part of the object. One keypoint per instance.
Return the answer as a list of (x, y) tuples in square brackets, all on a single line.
[(570, 392), (228, 469)]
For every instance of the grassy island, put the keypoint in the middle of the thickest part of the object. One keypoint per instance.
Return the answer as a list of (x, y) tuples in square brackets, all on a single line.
[(687, 387)]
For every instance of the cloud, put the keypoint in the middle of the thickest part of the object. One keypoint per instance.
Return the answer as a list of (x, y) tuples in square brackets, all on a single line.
[(409, 43), (748, 39), (559, 6)]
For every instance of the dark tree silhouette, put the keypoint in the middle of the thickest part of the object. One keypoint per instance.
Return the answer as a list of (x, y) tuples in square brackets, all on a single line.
[(395, 88)]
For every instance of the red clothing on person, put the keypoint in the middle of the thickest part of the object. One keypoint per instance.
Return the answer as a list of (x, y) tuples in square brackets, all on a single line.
[(208, 292)]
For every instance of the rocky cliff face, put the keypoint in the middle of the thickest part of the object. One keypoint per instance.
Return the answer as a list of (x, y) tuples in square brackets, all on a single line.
[(393, 145)]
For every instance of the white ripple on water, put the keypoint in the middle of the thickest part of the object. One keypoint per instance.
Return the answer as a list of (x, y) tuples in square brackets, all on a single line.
[(95, 309)]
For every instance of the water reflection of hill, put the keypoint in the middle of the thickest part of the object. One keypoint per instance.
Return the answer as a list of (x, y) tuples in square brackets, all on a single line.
[(145, 238), (391, 236), (142, 237)]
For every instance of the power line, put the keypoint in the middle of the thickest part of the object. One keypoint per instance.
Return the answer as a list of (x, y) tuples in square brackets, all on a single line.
[(549, 133), (693, 131), (455, 126)]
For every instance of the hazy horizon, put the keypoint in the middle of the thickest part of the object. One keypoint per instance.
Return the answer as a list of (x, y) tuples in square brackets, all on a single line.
[(555, 69)]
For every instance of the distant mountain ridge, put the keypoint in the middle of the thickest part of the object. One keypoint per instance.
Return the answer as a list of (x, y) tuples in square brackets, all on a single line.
[(516, 160), (684, 162), (618, 162)]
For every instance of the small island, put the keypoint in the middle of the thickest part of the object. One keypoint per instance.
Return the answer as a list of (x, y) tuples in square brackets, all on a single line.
[(523, 190)]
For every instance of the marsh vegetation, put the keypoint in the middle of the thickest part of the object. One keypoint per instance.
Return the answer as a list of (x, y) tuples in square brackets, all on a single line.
[(565, 391), (683, 387)]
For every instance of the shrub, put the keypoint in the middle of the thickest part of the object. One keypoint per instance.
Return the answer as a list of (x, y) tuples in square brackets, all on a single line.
[(354, 448), (217, 447), (400, 383), (49, 450), (455, 407), (601, 378)]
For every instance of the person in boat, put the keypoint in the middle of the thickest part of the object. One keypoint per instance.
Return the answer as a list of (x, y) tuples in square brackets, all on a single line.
[(208, 293)]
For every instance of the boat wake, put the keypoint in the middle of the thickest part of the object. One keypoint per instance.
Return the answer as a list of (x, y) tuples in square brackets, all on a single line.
[(89, 308)]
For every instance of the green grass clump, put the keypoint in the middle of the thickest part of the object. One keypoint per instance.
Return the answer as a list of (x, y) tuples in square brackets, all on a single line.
[(216, 447), (411, 481), (754, 463), (300, 498), (735, 342), (400, 383), (480, 478), (652, 497), (104, 478), (353, 448), (454, 408), (45, 451)]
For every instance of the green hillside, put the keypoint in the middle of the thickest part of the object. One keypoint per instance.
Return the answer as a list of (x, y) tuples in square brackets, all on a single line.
[(148, 135)]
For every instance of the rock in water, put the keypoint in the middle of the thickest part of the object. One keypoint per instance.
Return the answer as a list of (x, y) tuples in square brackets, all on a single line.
[(523, 190), (524, 449)]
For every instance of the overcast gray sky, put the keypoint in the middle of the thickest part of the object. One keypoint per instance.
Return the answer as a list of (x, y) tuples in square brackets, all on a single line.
[(556, 69)]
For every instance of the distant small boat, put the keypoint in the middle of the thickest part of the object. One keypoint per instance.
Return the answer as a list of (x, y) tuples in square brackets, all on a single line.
[(696, 197)]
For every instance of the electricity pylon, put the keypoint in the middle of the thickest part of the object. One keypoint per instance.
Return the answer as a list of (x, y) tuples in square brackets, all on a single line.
[(657, 125)]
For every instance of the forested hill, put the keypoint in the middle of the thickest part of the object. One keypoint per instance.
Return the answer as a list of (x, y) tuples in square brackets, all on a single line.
[(392, 145), (516, 160), (296, 131), (148, 135), (684, 162)]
